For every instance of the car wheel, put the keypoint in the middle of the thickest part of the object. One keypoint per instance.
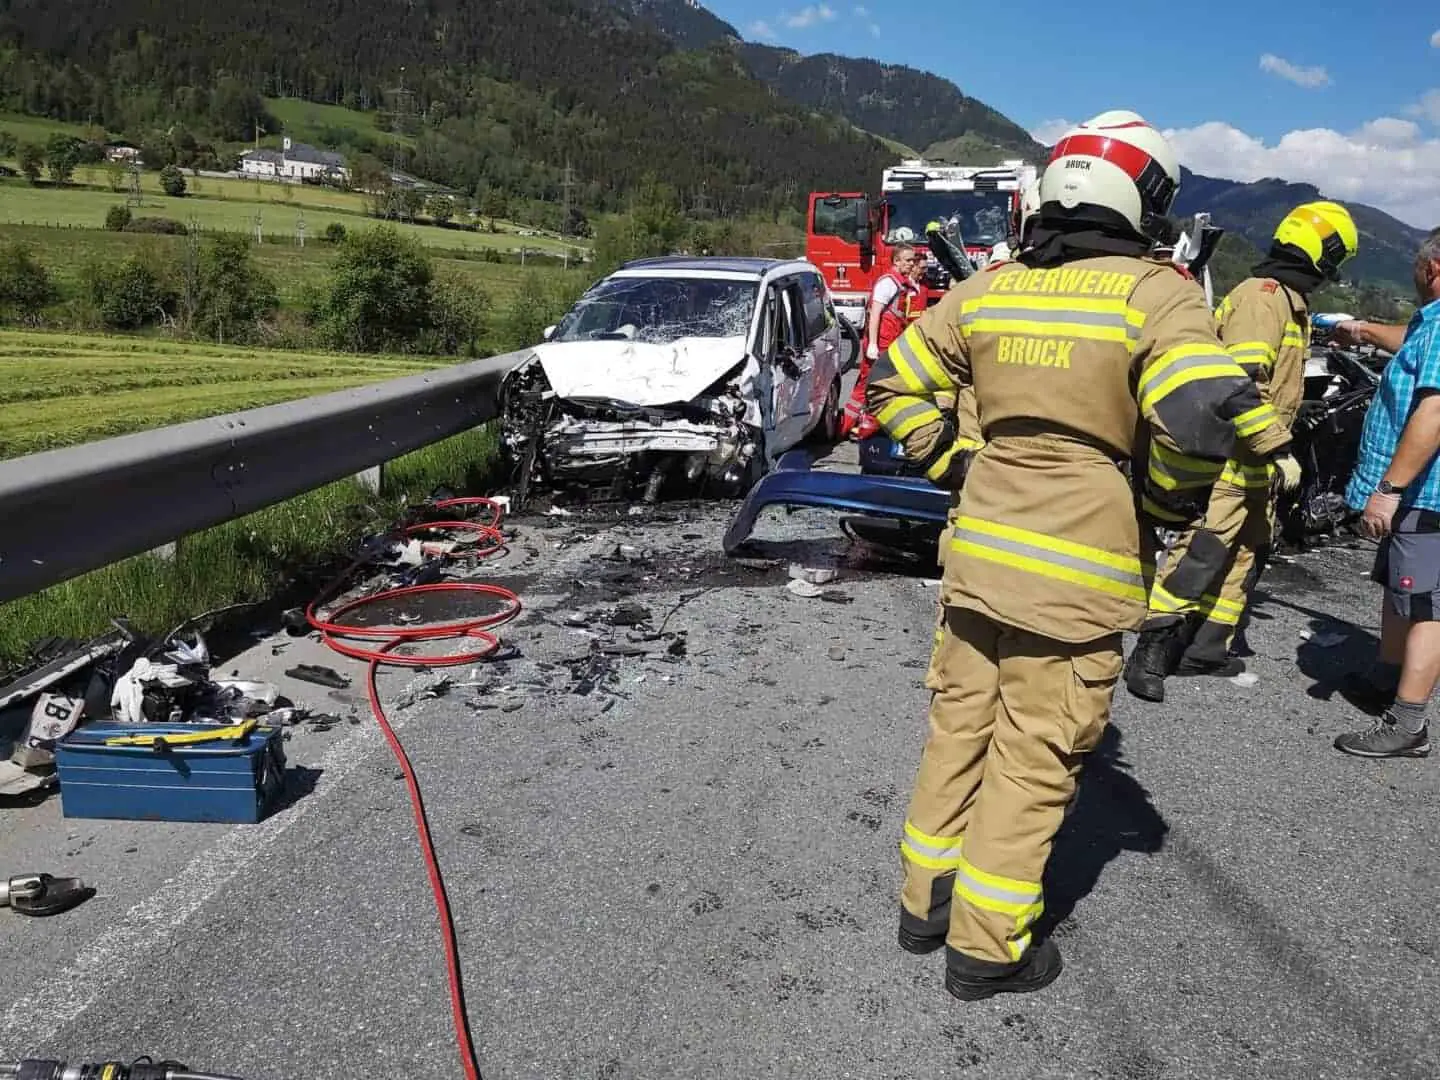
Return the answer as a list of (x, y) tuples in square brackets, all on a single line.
[(827, 428)]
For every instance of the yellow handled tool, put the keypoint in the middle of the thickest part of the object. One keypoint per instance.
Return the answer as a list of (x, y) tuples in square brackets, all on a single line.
[(234, 731)]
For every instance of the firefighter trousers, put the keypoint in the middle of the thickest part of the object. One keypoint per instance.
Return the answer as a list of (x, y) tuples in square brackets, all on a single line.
[(1212, 569), (1012, 715)]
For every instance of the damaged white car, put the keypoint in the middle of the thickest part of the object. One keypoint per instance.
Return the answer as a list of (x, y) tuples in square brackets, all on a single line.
[(696, 371)]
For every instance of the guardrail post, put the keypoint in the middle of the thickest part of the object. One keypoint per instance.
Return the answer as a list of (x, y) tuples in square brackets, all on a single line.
[(371, 478), (169, 552)]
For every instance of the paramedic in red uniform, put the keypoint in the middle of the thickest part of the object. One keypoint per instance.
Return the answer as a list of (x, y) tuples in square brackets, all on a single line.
[(891, 299)]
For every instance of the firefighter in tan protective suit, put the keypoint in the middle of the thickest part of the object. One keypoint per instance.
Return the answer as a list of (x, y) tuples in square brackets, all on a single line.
[(1067, 350), (1199, 599)]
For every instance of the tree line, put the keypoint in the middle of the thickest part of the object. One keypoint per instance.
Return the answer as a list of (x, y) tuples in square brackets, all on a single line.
[(382, 294), (481, 102)]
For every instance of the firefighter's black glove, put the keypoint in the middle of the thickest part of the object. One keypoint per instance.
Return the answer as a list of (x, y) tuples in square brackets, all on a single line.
[(1173, 509)]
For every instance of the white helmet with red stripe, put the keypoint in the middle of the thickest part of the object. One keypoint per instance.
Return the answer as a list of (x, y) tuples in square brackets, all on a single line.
[(1029, 205), (1117, 161)]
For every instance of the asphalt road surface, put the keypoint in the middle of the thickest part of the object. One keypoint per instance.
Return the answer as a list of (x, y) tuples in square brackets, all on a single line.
[(686, 865)]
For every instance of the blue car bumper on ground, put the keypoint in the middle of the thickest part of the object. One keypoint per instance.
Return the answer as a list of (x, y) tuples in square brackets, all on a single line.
[(794, 482)]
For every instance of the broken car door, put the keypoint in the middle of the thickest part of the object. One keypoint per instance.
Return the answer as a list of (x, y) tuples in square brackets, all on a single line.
[(767, 377), (793, 366), (822, 344)]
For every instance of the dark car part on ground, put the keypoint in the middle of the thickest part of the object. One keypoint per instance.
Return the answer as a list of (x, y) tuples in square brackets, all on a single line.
[(794, 482), (141, 1069)]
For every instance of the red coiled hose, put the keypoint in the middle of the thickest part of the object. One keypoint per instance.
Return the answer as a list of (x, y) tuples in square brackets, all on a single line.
[(477, 629)]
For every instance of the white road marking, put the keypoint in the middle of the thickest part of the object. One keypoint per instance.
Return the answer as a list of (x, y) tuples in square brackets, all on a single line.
[(35, 1018)]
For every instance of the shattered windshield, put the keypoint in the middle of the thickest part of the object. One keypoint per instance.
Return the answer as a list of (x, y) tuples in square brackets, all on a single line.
[(983, 217), (660, 310)]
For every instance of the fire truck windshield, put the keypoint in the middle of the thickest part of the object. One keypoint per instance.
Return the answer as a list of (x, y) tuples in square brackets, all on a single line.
[(982, 217)]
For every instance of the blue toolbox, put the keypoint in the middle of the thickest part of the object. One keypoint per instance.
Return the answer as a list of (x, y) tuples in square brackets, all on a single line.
[(171, 772)]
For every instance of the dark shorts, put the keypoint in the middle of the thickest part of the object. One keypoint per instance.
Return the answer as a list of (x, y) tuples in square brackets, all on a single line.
[(1408, 565)]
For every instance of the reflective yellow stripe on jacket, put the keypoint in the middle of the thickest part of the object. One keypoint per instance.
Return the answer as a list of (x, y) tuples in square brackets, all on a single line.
[(1050, 556), (1047, 318)]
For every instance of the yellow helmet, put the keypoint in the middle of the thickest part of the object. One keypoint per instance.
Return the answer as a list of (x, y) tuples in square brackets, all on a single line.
[(1324, 232)]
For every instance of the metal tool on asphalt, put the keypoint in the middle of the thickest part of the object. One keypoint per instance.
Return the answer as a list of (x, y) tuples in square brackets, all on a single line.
[(42, 1069), (42, 894)]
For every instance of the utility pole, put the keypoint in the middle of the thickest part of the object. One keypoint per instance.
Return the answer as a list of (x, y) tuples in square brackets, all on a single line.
[(565, 212), (259, 233)]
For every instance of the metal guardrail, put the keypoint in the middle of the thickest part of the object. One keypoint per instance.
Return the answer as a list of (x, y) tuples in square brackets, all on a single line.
[(65, 512)]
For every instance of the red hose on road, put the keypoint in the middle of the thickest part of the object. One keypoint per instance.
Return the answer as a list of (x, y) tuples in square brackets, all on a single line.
[(472, 629)]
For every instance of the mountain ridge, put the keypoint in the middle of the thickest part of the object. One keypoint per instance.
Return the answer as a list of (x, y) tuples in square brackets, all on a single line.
[(929, 112)]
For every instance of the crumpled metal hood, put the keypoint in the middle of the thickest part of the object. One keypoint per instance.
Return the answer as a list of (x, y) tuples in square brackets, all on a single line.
[(636, 373)]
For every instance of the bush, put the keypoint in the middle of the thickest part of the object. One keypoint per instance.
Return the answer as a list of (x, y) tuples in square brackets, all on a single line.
[(118, 218), (132, 293), (172, 181), (334, 233), (234, 293), (459, 319), (25, 285), (164, 226), (380, 296), (540, 302)]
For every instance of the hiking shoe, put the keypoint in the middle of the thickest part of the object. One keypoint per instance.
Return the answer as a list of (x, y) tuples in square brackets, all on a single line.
[(1226, 668), (974, 980), (1384, 739)]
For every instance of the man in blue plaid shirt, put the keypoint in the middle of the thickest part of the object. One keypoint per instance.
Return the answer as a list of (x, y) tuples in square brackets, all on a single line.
[(1396, 484)]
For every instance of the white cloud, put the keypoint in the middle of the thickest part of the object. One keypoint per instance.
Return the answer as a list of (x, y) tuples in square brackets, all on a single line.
[(1389, 162), (1435, 39), (875, 30), (761, 30), (862, 12), (1308, 77), (809, 16), (1428, 107), (1048, 132)]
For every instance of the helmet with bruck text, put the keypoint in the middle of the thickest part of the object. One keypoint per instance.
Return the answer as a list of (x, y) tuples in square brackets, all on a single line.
[(1116, 162)]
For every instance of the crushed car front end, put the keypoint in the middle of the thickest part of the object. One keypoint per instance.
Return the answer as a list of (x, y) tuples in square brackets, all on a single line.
[(709, 440), (645, 382)]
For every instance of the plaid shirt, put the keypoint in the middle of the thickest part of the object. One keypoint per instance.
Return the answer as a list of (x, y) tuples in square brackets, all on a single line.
[(1415, 367)]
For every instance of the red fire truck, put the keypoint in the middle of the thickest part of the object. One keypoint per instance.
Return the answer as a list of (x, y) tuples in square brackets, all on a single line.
[(849, 235)]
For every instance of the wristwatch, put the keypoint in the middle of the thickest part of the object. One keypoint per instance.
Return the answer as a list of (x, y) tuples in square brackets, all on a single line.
[(1387, 488)]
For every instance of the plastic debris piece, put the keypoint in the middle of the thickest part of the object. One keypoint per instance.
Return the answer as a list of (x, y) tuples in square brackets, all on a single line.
[(836, 652), (816, 575), (1245, 678), (806, 589)]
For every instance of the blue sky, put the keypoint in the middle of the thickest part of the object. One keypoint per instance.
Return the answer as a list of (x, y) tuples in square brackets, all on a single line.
[(1348, 101)]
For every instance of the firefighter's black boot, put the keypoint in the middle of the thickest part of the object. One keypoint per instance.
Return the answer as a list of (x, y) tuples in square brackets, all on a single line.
[(970, 979), (1150, 661)]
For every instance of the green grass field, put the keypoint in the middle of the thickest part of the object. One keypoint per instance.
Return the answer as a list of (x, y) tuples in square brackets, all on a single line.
[(61, 389), (304, 119), (85, 207), (66, 252), (36, 129)]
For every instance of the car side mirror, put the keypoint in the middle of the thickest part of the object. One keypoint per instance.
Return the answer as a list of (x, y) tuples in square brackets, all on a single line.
[(548, 332)]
